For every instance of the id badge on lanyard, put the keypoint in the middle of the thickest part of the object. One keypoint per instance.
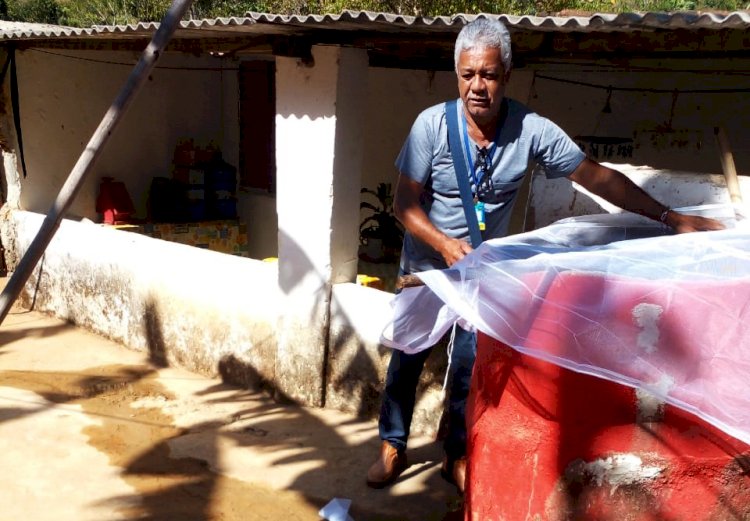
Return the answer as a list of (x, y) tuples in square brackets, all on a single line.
[(487, 161), (479, 209)]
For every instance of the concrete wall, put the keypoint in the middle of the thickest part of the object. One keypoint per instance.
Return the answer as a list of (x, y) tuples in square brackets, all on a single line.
[(394, 99), (196, 308), (318, 143), (669, 132), (357, 362), (556, 199), (65, 93)]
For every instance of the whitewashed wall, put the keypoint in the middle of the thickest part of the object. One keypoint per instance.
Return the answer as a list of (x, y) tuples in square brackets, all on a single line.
[(394, 98), (65, 93), (687, 144), (64, 96), (183, 305)]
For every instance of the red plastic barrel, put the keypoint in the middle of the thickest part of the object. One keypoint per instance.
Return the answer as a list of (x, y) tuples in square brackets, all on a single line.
[(548, 444), (114, 202)]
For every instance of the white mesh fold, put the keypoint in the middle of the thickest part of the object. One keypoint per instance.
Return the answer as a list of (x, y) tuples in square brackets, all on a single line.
[(610, 296)]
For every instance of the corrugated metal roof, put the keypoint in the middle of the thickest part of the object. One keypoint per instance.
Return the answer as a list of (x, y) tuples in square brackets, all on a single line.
[(27, 28), (596, 22), (262, 23)]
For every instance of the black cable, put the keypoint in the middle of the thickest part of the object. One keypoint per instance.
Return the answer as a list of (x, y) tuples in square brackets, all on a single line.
[(641, 89), (5, 69), (108, 62), (16, 106)]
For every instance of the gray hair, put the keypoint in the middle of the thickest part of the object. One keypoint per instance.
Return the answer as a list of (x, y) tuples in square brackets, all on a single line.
[(484, 33)]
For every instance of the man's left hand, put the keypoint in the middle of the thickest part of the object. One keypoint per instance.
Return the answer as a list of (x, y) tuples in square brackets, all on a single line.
[(683, 223)]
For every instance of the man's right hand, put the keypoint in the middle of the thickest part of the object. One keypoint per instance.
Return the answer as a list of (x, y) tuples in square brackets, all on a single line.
[(453, 250), (415, 220)]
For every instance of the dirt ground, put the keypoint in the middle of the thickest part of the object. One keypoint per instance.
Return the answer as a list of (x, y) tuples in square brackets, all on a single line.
[(92, 430)]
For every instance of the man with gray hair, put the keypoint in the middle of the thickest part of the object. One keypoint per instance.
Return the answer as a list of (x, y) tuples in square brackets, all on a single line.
[(500, 137)]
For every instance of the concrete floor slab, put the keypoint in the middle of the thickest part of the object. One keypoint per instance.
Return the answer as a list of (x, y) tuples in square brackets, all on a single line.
[(92, 430)]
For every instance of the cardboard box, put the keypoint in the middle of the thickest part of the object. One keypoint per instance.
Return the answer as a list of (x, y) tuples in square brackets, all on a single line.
[(227, 236)]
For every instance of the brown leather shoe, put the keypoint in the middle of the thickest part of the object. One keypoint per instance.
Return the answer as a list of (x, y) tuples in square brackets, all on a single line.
[(390, 464), (454, 472)]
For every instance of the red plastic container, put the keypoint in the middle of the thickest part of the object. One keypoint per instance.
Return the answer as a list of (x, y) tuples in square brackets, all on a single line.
[(548, 444), (113, 202)]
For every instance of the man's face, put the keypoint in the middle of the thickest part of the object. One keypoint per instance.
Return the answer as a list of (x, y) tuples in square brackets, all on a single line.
[(481, 82)]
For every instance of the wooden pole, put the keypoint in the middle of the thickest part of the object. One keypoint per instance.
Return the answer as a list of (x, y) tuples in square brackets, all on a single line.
[(93, 149), (408, 281), (727, 165)]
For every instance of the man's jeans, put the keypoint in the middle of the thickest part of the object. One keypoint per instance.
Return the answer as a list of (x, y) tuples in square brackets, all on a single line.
[(400, 394)]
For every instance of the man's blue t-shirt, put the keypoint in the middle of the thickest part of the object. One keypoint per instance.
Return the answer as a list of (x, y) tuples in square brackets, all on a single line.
[(426, 159)]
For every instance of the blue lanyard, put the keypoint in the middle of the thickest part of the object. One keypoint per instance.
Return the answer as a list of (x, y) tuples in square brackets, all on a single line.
[(467, 147)]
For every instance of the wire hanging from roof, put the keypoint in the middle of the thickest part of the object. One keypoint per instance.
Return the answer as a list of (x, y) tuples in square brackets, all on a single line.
[(643, 89)]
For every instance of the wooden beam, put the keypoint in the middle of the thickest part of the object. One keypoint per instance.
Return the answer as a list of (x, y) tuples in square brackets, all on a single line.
[(727, 165), (90, 153)]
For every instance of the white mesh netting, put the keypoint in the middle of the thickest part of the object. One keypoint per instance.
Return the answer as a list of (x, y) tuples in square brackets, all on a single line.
[(610, 296)]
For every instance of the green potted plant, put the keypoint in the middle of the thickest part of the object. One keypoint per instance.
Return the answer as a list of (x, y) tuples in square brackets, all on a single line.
[(380, 233)]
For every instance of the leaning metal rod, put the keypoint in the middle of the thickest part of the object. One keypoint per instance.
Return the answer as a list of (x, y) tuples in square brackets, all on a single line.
[(92, 151)]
